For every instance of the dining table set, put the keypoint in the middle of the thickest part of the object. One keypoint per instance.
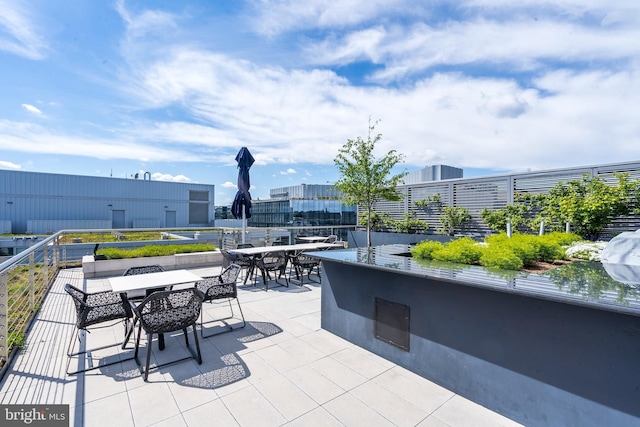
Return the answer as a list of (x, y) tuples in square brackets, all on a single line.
[(276, 258), (160, 302)]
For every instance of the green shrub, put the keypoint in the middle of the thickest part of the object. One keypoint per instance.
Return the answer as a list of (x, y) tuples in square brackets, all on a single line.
[(531, 248), (499, 251), (500, 257), (155, 250), (561, 238), (525, 246), (550, 251), (425, 249), (464, 250)]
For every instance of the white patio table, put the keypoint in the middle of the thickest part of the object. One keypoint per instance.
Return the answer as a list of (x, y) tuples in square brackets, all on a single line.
[(162, 279), (288, 249), (312, 239), (260, 250)]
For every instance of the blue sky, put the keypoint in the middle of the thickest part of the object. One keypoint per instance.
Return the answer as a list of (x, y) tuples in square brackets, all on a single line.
[(176, 88)]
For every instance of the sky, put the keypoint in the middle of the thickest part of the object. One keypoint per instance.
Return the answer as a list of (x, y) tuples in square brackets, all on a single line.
[(176, 88)]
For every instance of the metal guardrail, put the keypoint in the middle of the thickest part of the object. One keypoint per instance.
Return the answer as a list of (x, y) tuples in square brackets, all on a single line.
[(26, 277), (24, 281)]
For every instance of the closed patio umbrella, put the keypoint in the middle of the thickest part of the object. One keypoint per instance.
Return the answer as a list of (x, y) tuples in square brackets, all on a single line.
[(241, 207)]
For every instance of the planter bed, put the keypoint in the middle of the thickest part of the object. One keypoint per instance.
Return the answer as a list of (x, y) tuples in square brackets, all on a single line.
[(559, 348), (114, 267)]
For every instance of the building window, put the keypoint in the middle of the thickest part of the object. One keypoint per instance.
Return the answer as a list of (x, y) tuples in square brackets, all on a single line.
[(199, 207)]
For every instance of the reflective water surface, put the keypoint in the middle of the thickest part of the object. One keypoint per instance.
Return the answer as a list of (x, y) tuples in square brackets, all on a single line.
[(579, 283)]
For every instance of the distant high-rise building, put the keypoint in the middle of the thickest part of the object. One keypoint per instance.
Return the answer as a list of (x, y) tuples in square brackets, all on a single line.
[(433, 173), (302, 205)]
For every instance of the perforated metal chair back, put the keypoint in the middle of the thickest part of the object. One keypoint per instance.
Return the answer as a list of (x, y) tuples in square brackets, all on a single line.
[(217, 289), (132, 271), (331, 239), (168, 311), (273, 262), (302, 262), (93, 309), (222, 285), (244, 261)]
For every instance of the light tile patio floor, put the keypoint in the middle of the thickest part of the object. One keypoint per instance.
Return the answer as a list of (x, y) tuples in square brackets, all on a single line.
[(281, 369)]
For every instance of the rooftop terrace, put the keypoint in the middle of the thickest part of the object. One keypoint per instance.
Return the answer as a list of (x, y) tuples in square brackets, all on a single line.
[(281, 369)]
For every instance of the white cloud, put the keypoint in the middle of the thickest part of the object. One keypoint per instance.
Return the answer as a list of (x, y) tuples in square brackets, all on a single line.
[(30, 108), (289, 171), (157, 176), (505, 105), (32, 138), (9, 165), (18, 34), (516, 45), (229, 184), (276, 16), (362, 45), (489, 87), (290, 116)]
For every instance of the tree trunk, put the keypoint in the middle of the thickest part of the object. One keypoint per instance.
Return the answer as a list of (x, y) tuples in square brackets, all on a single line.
[(368, 228)]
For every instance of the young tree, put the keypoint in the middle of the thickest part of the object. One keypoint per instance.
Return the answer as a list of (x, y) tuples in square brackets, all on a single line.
[(363, 179), (519, 213), (452, 218), (590, 204)]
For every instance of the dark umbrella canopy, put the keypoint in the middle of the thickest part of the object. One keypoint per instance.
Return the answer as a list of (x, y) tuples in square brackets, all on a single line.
[(243, 197)]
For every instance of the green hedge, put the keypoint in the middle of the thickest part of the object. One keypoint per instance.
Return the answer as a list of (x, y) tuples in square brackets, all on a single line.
[(499, 250), (155, 250)]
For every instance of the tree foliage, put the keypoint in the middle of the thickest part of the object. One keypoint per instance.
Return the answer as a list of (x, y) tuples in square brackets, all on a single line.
[(364, 180), (377, 221), (410, 224), (452, 218), (517, 213), (588, 204)]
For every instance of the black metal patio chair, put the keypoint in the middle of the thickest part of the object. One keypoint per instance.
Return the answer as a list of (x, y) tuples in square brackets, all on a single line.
[(301, 263), (220, 289), (93, 309), (331, 238), (144, 269), (275, 262), (168, 311), (246, 262)]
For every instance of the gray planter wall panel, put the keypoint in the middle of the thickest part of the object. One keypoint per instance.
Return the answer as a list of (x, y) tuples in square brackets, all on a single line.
[(535, 361)]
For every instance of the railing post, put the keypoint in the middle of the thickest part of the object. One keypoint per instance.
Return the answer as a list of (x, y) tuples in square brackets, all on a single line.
[(56, 255), (45, 266), (4, 317), (32, 279)]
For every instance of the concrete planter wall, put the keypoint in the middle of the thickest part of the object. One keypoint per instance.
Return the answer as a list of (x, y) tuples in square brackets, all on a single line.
[(527, 347), (115, 267)]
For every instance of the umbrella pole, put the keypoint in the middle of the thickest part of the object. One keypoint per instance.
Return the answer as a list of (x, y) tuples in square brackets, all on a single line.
[(244, 224)]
